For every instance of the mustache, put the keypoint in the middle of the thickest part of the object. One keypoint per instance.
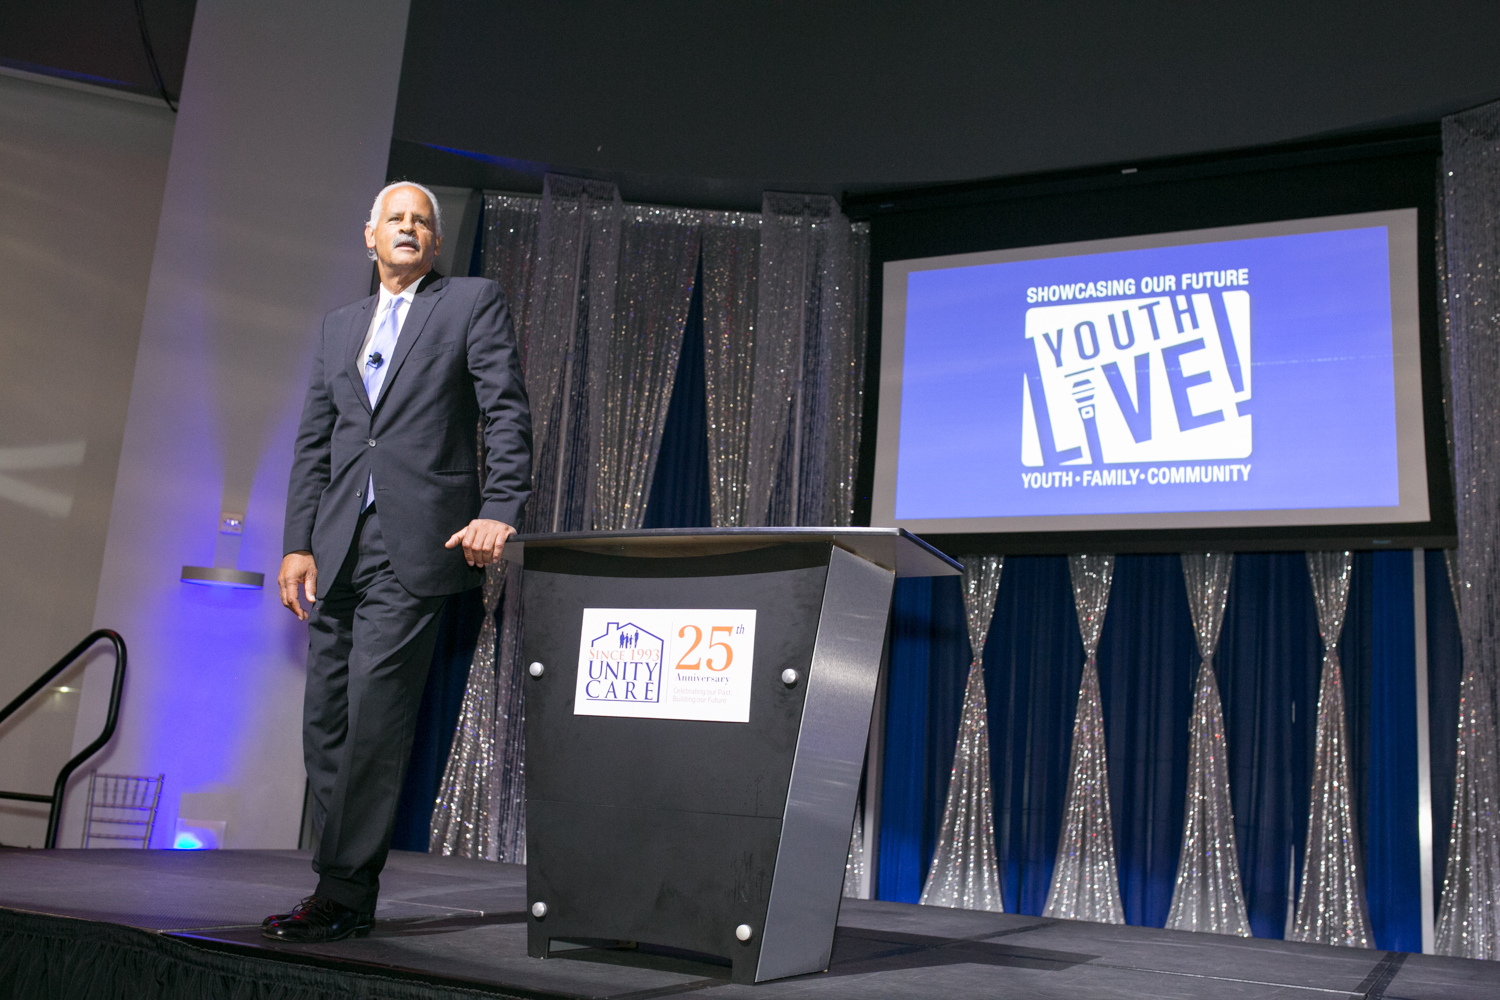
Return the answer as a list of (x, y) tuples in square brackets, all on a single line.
[(405, 240)]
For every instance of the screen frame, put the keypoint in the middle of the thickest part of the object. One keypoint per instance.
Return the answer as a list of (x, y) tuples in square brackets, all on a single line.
[(1339, 178), (1401, 228)]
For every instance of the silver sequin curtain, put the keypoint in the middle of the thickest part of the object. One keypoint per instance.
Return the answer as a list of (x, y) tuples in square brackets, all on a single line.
[(854, 864), (506, 822), (964, 873), (1085, 881), (844, 399), (508, 250), (731, 271), (460, 817), (480, 808), (589, 332), (1331, 907), (784, 344), (1450, 560), (809, 351), (557, 261), (1208, 895), (570, 323), (658, 262), (1468, 922)]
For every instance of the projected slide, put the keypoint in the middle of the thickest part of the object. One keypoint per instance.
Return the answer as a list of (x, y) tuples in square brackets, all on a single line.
[(1265, 374)]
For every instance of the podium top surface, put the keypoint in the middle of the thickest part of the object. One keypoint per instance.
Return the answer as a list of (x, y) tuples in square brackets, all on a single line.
[(891, 548)]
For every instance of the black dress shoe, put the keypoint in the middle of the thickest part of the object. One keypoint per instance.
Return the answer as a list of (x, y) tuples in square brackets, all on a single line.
[(315, 920), (285, 916), (306, 901)]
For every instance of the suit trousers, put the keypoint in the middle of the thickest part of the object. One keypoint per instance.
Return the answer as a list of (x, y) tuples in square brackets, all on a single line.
[(370, 647)]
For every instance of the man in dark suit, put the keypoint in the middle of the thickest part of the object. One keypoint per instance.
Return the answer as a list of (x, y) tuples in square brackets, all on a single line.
[(386, 516)]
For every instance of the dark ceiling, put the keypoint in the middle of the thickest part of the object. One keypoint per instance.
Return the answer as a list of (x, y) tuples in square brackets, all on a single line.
[(709, 104), (714, 102), (98, 41)]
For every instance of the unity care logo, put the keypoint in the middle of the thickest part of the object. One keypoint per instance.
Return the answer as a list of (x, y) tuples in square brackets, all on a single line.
[(624, 664), (1161, 378), (666, 663)]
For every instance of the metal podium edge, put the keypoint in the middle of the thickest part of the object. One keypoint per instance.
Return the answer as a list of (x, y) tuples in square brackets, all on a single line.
[(891, 548), (808, 883)]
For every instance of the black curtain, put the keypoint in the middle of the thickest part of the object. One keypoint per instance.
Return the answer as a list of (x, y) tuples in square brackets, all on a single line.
[(1033, 666), (1385, 719), (1033, 662), (1148, 665), (929, 659), (1268, 662), (1445, 666), (679, 489)]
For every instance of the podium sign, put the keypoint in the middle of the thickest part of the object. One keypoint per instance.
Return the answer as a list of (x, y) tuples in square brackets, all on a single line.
[(696, 718), (666, 663)]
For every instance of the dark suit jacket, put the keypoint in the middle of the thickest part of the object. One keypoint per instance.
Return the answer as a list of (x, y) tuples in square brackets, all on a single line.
[(454, 365)]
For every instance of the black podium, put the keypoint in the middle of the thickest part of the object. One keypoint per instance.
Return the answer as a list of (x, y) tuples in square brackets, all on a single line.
[(696, 717)]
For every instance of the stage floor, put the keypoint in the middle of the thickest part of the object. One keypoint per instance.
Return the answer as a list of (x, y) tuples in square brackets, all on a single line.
[(450, 927)]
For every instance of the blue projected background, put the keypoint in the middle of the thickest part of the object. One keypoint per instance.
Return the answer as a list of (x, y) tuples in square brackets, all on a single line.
[(1250, 374)]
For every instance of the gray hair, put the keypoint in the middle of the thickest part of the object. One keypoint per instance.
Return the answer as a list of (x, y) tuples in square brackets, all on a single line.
[(437, 209)]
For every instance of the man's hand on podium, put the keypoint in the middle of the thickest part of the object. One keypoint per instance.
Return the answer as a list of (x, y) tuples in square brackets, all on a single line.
[(483, 540), (298, 570)]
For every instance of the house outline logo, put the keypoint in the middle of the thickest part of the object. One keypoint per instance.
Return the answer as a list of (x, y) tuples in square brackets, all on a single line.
[(625, 665)]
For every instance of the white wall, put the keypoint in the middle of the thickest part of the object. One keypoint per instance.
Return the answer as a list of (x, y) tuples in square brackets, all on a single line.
[(81, 177), (282, 140)]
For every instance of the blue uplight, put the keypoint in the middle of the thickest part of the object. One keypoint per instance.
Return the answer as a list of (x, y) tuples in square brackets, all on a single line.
[(520, 166), (187, 842)]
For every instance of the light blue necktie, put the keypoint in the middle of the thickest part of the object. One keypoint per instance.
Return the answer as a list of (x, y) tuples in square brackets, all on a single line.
[(382, 346)]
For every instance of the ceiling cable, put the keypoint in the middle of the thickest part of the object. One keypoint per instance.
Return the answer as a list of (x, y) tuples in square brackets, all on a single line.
[(161, 85)]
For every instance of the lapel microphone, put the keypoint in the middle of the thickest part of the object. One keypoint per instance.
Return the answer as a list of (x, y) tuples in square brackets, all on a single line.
[(375, 360)]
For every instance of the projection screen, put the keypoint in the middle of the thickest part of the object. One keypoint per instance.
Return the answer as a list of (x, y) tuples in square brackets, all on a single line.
[(1246, 376)]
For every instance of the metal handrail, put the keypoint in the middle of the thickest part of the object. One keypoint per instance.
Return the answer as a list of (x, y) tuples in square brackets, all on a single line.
[(110, 721)]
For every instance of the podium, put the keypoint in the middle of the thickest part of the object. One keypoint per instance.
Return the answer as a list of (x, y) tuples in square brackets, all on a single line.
[(697, 708)]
